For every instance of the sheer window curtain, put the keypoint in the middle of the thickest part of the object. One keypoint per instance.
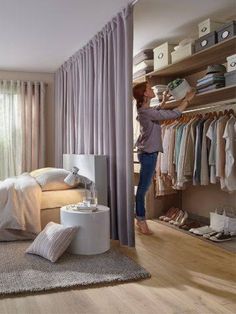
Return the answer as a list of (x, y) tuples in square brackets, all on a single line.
[(22, 146), (93, 94)]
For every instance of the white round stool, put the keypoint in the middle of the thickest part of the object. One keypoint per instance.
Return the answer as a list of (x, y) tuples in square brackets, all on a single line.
[(93, 236)]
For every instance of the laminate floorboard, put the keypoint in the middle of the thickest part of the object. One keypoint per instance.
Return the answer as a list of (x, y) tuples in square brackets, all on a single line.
[(189, 276)]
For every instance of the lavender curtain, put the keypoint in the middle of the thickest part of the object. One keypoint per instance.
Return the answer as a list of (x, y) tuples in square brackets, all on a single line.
[(94, 113)]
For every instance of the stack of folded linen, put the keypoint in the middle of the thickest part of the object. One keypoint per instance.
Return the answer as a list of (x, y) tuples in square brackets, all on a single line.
[(158, 90), (213, 79), (143, 63)]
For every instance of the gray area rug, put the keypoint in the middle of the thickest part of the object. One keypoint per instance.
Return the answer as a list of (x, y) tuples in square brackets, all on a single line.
[(21, 273)]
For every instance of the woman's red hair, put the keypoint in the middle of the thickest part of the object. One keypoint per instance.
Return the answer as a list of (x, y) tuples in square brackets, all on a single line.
[(138, 93)]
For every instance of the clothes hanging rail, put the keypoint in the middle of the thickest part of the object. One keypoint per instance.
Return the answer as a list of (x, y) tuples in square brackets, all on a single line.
[(230, 104)]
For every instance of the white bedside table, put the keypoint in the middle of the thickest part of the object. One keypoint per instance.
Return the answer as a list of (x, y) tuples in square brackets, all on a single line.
[(93, 236)]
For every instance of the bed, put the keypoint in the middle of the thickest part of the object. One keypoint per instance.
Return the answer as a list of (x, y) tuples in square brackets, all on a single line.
[(93, 167), (43, 206)]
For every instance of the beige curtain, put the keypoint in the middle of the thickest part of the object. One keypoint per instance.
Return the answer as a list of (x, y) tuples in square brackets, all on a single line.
[(21, 127), (33, 125)]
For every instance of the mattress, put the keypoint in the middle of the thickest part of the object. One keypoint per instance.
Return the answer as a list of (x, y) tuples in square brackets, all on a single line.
[(53, 199)]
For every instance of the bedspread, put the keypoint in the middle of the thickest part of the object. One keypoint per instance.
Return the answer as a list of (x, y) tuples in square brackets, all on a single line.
[(20, 199)]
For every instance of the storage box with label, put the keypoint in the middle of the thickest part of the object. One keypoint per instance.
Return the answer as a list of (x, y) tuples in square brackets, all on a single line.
[(162, 55), (205, 41), (231, 63), (182, 53), (227, 31), (207, 27), (230, 78)]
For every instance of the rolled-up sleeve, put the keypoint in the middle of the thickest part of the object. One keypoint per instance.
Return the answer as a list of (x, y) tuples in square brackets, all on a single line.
[(158, 115)]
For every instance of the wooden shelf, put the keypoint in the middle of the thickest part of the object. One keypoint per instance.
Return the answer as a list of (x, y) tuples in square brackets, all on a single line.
[(220, 94), (197, 62)]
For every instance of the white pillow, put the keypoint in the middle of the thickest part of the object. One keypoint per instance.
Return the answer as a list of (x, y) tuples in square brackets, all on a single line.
[(51, 179), (52, 241)]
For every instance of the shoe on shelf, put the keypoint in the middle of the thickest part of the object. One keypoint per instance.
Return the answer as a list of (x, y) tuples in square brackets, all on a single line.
[(183, 220), (186, 222), (192, 224), (179, 218), (202, 230), (143, 227), (169, 213), (210, 234), (173, 215), (221, 237)]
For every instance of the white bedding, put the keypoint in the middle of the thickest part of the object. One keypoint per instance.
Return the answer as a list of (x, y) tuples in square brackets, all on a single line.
[(20, 199)]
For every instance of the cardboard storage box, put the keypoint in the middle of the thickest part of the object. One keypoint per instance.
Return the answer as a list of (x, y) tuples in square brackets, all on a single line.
[(227, 31), (208, 26), (182, 53), (162, 55), (230, 78), (205, 41), (231, 63)]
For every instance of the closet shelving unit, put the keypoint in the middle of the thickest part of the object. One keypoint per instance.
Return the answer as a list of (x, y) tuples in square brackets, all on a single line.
[(191, 68)]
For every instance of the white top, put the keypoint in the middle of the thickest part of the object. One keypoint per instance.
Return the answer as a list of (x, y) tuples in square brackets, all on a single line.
[(230, 153), (72, 209)]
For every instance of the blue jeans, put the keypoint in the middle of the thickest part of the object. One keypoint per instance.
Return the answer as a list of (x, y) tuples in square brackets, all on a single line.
[(148, 165)]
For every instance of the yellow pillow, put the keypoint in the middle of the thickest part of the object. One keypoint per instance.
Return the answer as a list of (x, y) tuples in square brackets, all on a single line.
[(40, 171), (52, 179)]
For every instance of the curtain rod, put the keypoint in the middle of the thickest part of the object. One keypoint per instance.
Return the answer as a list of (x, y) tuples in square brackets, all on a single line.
[(22, 81), (220, 104)]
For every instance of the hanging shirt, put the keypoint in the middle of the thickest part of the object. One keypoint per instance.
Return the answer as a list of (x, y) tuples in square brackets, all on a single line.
[(220, 146), (149, 140), (178, 138), (181, 178), (230, 153), (171, 165), (198, 150), (211, 134), (190, 152), (205, 171)]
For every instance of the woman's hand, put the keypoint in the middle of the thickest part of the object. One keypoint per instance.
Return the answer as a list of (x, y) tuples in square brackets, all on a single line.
[(187, 99), (165, 97), (190, 95)]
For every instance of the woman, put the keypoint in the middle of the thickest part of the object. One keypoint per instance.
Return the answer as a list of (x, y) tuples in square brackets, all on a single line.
[(149, 142)]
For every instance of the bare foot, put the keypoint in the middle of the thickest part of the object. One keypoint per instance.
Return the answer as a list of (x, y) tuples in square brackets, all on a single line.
[(143, 227)]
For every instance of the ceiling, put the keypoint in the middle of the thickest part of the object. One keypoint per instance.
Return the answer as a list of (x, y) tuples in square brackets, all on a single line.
[(38, 36)]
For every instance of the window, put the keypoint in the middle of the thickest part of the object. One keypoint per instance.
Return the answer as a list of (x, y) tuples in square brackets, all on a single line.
[(10, 130)]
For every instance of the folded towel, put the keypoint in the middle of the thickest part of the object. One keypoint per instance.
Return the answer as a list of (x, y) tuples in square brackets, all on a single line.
[(212, 87), (146, 54), (143, 65), (142, 72)]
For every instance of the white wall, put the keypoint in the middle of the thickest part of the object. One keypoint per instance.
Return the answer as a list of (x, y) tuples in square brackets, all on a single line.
[(48, 78)]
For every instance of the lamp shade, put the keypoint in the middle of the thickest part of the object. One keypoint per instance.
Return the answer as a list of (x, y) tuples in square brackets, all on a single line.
[(72, 177)]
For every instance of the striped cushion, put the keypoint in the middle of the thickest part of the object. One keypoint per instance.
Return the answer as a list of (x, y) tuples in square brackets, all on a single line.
[(52, 241)]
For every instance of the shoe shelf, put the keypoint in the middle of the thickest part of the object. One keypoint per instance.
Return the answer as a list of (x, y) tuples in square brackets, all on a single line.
[(229, 246)]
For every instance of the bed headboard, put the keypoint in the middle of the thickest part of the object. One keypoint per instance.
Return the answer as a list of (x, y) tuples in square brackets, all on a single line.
[(93, 167)]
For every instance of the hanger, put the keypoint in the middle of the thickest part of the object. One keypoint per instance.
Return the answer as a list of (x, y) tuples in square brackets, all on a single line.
[(231, 111), (220, 114)]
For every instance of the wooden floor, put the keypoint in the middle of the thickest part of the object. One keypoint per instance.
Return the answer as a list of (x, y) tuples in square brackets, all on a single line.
[(188, 276)]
